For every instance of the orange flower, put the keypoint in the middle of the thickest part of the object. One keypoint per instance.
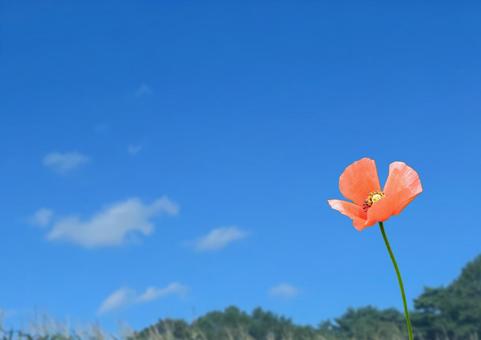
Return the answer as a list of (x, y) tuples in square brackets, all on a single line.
[(360, 184)]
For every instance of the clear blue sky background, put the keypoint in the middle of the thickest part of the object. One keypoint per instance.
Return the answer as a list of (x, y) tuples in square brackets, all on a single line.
[(245, 115)]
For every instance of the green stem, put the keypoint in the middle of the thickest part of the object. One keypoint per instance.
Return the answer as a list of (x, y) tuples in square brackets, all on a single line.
[(400, 280)]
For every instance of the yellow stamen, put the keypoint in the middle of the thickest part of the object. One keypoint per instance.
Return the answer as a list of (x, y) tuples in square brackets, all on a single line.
[(373, 197), (376, 197)]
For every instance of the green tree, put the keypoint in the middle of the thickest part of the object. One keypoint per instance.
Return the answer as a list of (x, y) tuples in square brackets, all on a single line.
[(453, 312)]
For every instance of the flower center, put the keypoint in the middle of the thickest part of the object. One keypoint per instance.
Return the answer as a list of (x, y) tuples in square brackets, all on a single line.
[(372, 198)]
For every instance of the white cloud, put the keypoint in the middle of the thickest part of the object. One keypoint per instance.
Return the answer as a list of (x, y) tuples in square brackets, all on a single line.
[(42, 217), (125, 297), (219, 238), (153, 293), (113, 225), (134, 149), (65, 162), (117, 299), (284, 291), (143, 90)]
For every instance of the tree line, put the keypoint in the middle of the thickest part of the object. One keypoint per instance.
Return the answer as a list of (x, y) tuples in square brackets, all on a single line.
[(444, 313)]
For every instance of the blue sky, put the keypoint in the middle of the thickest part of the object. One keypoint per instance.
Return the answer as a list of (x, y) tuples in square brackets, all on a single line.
[(173, 158)]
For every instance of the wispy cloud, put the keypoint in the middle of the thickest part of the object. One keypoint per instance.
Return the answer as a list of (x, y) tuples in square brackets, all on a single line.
[(219, 238), (65, 162), (116, 300), (42, 217), (125, 297), (143, 90), (284, 291), (154, 293), (113, 225), (133, 149)]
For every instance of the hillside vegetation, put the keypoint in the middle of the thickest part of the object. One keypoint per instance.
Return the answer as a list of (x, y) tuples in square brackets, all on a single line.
[(444, 313)]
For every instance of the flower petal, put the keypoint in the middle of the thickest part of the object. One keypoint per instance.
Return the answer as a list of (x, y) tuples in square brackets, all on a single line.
[(381, 210), (358, 180), (351, 210), (403, 185), (389, 206), (359, 224)]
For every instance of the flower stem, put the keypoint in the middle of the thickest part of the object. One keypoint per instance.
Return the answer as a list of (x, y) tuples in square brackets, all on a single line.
[(400, 280)]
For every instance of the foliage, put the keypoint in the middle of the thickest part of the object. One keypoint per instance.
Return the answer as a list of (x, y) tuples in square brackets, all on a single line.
[(366, 323), (233, 323), (443, 313), (453, 312)]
